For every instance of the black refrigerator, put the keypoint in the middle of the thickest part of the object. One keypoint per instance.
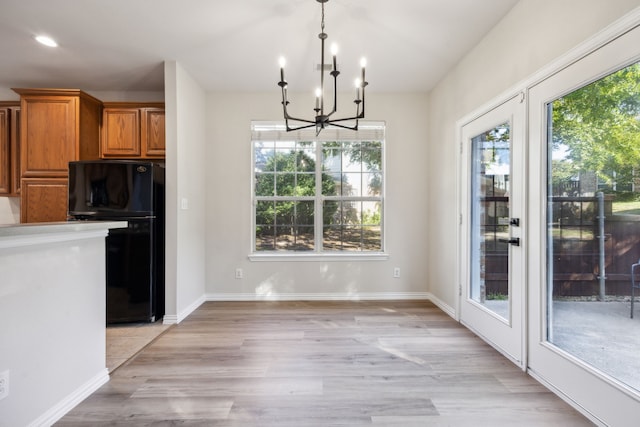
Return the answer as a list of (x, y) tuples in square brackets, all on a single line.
[(132, 191)]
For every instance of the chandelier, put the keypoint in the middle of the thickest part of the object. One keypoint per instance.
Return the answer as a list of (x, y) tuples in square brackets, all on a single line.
[(322, 118)]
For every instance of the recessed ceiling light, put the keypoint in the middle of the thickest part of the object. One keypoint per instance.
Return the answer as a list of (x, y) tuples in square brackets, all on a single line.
[(47, 41)]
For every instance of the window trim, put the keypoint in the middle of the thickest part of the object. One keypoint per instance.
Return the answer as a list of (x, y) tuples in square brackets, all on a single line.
[(275, 130)]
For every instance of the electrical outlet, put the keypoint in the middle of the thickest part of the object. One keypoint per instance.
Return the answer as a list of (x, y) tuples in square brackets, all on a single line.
[(396, 272), (239, 273), (4, 384)]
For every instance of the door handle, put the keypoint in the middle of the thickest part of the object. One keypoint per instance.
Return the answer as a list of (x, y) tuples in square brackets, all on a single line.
[(514, 241)]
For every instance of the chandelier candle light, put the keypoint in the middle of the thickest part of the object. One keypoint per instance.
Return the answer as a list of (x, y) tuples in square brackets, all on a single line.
[(323, 120)]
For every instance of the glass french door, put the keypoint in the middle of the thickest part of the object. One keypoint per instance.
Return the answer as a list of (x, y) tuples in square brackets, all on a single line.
[(492, 251), (584, 136)]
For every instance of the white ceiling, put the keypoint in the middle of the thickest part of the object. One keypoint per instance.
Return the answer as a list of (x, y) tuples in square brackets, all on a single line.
[(120, 45)]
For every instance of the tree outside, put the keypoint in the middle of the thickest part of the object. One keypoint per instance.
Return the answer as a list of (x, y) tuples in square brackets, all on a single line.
[(596, 137)]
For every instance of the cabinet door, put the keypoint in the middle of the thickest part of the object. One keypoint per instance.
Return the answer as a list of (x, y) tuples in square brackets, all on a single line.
[(120, 132), (5, 151), (9, 150), (49, 135), (15, 151), (43, 200), (153, 133)]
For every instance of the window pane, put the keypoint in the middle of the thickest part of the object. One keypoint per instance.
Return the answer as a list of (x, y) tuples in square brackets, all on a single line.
[(352, 226), (265, 184), (294, 226), (304, 160), (263, 156), (330, 184), (265, 238), (351, 184), (593, 216), (264, 233), (295, 169), (372, 184), (491, 171), (285, 184)]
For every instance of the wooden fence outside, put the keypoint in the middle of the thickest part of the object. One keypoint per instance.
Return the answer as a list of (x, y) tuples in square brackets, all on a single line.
[(576, 252)]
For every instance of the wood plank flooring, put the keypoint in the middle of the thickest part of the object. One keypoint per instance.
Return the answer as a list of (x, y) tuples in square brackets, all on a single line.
[(371, 363), (124, 341)]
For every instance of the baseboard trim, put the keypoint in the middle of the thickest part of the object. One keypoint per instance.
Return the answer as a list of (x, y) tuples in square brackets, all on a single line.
[(172, 319), (58, 411), (443, 306), (370, 296)]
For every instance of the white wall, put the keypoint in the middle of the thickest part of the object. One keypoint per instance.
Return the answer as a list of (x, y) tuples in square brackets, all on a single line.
[(127, 96), (9, 210), (185, 105), (534, 33), (52, 328), (228, 198)]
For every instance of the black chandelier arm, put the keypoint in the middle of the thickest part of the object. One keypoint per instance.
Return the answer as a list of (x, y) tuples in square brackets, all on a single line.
[(288, 117), (355, 127), (335, 74), (364, 85), (289, 128), (344, 119)]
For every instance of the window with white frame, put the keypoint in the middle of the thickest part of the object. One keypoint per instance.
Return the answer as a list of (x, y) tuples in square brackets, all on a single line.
[(318, 194)]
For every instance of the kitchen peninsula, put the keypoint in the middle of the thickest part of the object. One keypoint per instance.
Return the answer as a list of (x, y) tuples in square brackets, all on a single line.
[(52, 317)]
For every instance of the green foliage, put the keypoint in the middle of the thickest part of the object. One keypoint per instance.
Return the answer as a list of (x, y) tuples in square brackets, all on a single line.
[(599, 125), (290, 173), (369, 217), (497, 296)]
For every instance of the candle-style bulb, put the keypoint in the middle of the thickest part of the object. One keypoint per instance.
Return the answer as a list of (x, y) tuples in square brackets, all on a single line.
[(358, 83), (363, 62), (334, 52), (282, 62)]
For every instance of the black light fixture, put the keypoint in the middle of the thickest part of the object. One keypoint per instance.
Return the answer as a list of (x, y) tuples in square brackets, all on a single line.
[(323, 120)]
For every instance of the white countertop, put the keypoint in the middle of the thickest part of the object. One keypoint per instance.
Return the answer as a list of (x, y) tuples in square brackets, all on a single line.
[(15, 235), (57, 227)]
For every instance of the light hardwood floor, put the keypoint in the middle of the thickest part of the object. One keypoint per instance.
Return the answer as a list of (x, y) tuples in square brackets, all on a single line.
[(380, 363), (124, 341)]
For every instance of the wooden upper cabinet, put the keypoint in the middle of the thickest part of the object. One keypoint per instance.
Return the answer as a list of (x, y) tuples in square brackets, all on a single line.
[(132, 130), (9, 148), (120, 132), (153, 132), (57, 126)]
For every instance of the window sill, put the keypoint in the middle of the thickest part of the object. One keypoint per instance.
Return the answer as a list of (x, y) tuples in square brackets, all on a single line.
[(314, 257)]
